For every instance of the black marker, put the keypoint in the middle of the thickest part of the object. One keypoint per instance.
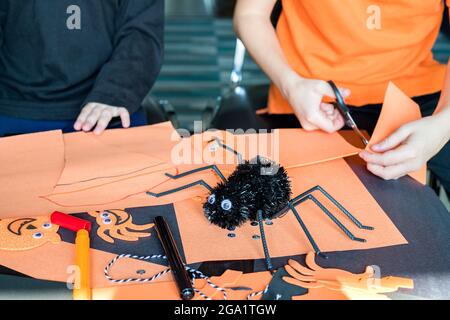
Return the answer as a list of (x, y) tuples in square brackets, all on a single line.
[(173, 256)]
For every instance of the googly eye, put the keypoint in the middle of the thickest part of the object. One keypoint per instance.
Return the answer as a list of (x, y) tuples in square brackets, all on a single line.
[(38, 235), (213, 147), (212, 199), (107, 221), (226, 205), (105, 215), (47, 225)]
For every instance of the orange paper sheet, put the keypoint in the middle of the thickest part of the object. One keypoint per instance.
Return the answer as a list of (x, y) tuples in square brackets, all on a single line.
[(30, 165), (155, 141), (398, 110), (89, 162), (289, 147), (205, 242), (115, 169), (127, 192), (55, 262)]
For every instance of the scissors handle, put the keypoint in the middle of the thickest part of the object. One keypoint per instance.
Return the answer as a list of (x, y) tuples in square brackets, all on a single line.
[(339, 99), (345, 111)]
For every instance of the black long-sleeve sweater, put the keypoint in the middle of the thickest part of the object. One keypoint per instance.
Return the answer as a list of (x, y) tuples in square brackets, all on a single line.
[(58, 55)]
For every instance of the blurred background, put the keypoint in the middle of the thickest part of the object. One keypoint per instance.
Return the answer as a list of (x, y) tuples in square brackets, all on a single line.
[(199, 50)]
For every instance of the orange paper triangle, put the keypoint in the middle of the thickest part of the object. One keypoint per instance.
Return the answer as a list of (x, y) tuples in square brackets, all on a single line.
[(398, 110)]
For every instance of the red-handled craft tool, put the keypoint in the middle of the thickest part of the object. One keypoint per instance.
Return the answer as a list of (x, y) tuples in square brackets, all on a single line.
[(82, 288)]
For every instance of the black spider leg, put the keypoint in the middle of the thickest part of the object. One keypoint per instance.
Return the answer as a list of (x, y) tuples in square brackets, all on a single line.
[(307, 195), (306, 231), (219, 142), (190, 185), (264, 241), (211, 167), (336, 203)]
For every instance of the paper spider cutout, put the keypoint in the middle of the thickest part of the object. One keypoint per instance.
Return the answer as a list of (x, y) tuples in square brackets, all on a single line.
[(258, 190)]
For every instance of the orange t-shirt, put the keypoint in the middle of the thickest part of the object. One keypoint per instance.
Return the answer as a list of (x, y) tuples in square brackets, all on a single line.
[(362, 45)]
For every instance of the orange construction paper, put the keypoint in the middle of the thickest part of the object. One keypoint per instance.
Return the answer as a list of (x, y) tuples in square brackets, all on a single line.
[(289, 147), (337, 284), (55, 262), (89, 162), (139, 149), (155, 141), (398, 110), (27, 233), (113, 194), (205, 242), (237, 284), (30, 166), (312, 147)]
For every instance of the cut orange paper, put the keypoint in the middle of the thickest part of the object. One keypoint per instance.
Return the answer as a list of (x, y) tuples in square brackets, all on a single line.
[(118, 193), (136, 161), (155, 141), (203, 241), (30, 165), (337, 284), (90, 162), (290, 147), (398, 110)]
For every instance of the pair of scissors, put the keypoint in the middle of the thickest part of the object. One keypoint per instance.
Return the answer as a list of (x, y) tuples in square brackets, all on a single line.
[(345, 112)]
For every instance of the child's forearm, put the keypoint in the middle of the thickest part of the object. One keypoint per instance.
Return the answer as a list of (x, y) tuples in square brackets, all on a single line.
[(443, 109), (253, 26)]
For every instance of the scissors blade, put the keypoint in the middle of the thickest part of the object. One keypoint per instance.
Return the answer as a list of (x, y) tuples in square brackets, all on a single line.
[(345, 111), (352, 124)]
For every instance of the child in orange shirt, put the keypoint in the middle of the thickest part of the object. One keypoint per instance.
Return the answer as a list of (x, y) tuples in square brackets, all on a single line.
[(361, 45)]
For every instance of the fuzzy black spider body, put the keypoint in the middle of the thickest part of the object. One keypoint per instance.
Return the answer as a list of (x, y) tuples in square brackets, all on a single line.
[(255, 185)]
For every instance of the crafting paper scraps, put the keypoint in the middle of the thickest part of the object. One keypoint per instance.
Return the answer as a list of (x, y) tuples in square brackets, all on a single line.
[(19, 234), (118, 224), (398, 110), (337, 284)]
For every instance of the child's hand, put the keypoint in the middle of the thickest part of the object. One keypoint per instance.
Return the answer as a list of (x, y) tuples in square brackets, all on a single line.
[(407, 149), (99, 116), (306, 95)]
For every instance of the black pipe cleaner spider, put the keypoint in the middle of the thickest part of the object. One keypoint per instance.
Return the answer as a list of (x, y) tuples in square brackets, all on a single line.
[(258, 190)]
